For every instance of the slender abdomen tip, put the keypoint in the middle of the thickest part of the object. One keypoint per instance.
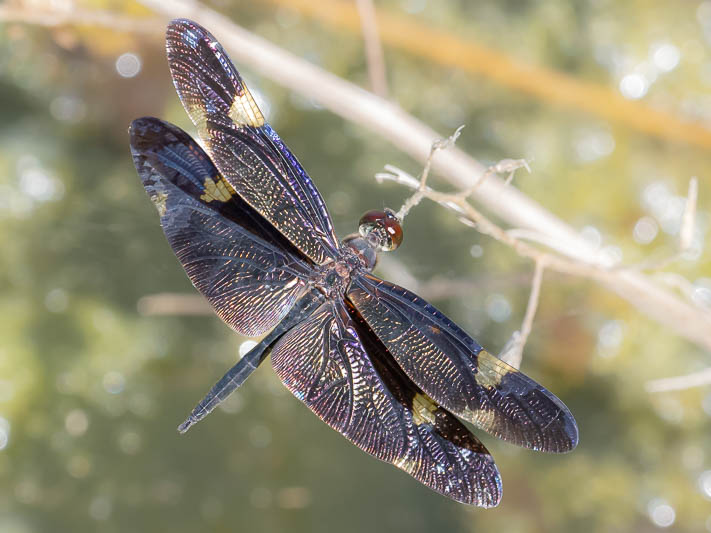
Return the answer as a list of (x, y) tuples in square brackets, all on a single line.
[(185, 426)]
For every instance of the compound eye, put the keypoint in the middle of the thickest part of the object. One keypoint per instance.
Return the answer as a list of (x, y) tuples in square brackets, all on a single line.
[(393, 229), (381, 229)]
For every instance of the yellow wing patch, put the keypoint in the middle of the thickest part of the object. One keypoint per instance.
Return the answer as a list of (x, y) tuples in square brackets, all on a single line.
[(159, 200), (218, 190), (423, 409), (244, 110), (491, 369)]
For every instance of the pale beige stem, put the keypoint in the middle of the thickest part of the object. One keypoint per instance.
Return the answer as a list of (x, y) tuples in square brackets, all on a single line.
[(696, 379), (414, 138), (373, 48)]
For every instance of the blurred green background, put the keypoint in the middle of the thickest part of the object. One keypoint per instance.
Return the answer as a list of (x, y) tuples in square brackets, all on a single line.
[(93, 385)]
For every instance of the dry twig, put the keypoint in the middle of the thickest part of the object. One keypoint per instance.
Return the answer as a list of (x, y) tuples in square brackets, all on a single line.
[(416, 198), (696, 379), (556, 88), (686, 232), (513, 353), (373, 48), (414, 138)]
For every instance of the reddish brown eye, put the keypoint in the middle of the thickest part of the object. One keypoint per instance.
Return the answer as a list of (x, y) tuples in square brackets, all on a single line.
[(381, 229), (372, 217), (392, 226)]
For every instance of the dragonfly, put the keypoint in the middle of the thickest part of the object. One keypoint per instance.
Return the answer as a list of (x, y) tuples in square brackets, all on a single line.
[(374, 361)]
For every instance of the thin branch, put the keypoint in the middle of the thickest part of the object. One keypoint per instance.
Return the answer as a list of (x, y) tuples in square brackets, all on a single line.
[(505, 166), (438, 45), (79, 17), (627, 283), (414, 138), (686, 232), (172, 303), (416, 198), (373, 48), (514, 353), (696, 379)]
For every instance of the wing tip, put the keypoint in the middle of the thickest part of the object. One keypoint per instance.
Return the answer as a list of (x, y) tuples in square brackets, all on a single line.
[(138, 126), (564, 435), (486, 495), (177, 27), (570, 428), (493, 496), (146, 132), (182, 22)]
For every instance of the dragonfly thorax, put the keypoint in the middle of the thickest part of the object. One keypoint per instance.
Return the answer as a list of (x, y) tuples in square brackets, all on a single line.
[(334, 277)]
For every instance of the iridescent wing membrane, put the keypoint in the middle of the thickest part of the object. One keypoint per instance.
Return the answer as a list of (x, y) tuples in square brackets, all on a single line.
[(248, 272), (325, 364), (250, 155), (456, 372), (378, 364)]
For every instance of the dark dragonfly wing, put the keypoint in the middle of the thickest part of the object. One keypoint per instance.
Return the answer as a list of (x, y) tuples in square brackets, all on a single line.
[(245, 268), (325, 364), (249, 154), (458, 374)]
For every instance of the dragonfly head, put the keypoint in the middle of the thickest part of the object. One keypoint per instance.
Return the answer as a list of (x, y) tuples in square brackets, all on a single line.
[(381, 229), (378, 231)]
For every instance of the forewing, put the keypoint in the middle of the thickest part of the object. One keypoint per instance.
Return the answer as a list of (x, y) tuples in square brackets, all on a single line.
[(458, 374), (247, 270), (250, 155), (324, 363)]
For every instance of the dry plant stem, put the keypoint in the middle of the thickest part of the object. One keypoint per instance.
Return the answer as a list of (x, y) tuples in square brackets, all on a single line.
[(414, 138), (425, 40), (373, 48), (509, 166), (172, 303), (515, 358), (622, 281), (697, 379), (686, 232), (52, 18), (416, 198), (513, 351)]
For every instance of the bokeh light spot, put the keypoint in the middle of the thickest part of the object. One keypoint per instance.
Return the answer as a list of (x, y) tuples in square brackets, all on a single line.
[(114, 382), (610, 337), (56, 301), (68, 109), (100, 508), (4, 433), (645, 230), (128, 65), (666, 57), (634, 86), (76, 422), (592, 235), (705, 484), (498, 308), (476, 251), (661, 513)]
